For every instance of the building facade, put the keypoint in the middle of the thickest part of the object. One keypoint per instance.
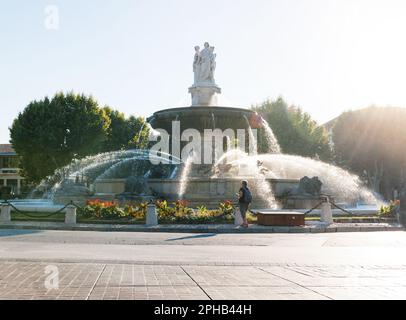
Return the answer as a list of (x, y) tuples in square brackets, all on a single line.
[(9, 171)]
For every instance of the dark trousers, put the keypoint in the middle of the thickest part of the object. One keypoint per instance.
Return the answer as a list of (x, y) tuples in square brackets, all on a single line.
[(243, 209)]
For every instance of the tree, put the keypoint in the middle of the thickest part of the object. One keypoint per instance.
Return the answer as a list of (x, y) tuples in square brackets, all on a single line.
[(372, 142), (49, 133), (295, 130), (131, 133), (142, 131)]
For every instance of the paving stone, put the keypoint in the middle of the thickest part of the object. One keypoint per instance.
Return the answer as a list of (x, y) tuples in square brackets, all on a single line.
[(148, 293), (261, 293), (233, 276), (130, 275), (327, 277), (33, 275), (25, 280), (363, 293)]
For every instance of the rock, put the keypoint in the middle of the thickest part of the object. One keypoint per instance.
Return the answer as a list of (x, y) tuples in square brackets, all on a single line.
[(136, 186), (309, 187), (157, 172)]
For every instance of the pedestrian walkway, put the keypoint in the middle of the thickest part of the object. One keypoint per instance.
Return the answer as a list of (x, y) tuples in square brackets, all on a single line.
[(43, 264), (87, 281)]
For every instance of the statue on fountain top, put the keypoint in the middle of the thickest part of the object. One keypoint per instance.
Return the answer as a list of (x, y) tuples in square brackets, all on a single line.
[(204, 89), (204, 65)]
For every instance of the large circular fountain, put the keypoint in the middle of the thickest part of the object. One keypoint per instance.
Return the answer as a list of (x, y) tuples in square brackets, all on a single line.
[(131, 176), (199, 181)]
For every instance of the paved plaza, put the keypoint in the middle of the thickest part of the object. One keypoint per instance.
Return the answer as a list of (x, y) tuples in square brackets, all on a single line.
[(162, 266)]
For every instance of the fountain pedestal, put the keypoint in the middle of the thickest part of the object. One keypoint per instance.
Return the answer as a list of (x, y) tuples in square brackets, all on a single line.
[(204, 95)]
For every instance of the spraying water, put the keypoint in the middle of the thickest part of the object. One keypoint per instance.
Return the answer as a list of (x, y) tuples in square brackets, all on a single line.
[(273, 144), (110, 165), (244, 169), (153, 134), (184, 178), (338, 182), (253, 143), (263, 188)]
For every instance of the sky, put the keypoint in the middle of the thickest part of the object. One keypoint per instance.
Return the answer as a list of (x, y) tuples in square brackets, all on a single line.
[(326, 56)]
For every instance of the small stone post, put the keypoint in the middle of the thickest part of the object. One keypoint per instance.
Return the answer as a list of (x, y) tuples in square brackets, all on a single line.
[(152, 216), (5, 216), (70, 214), (326, 212)]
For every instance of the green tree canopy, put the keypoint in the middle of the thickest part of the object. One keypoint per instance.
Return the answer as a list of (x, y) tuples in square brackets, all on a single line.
[(372, 142), (125, 133), (295, 130), (49, 133)]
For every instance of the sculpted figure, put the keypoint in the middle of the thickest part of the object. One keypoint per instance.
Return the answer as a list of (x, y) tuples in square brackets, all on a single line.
[(204, 90), (213, 64), (204, 64), (196, 64)]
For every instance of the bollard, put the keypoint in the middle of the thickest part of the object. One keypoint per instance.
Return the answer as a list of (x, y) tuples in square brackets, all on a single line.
[(152, 216), (5, 216), (238, 221), (70, 215), (326, 212)]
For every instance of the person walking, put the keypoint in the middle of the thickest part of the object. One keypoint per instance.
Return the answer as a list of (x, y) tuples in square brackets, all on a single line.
[(244, 201)]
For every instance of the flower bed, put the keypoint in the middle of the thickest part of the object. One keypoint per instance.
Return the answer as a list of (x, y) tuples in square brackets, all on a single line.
[(168, 213), (391, 210)]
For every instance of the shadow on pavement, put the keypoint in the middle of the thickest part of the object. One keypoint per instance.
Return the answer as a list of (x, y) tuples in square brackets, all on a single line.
[(198, 236), (15, 233)]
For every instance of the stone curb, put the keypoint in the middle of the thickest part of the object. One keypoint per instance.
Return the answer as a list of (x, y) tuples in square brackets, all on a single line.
[(342, 228)]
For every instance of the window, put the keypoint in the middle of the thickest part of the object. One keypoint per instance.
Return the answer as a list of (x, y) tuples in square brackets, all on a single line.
[(8, 162), (13, 184)]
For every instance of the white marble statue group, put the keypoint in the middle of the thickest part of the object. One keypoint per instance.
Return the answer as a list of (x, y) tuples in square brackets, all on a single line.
[(204, 65)]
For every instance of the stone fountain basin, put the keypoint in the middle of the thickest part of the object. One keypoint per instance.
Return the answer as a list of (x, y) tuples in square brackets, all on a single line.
[(200, 191), (195, 185), (201, 118)]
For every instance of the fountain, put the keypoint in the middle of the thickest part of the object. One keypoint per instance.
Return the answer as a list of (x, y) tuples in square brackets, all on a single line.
[(272, 176), (273, 145), (184, 178)]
